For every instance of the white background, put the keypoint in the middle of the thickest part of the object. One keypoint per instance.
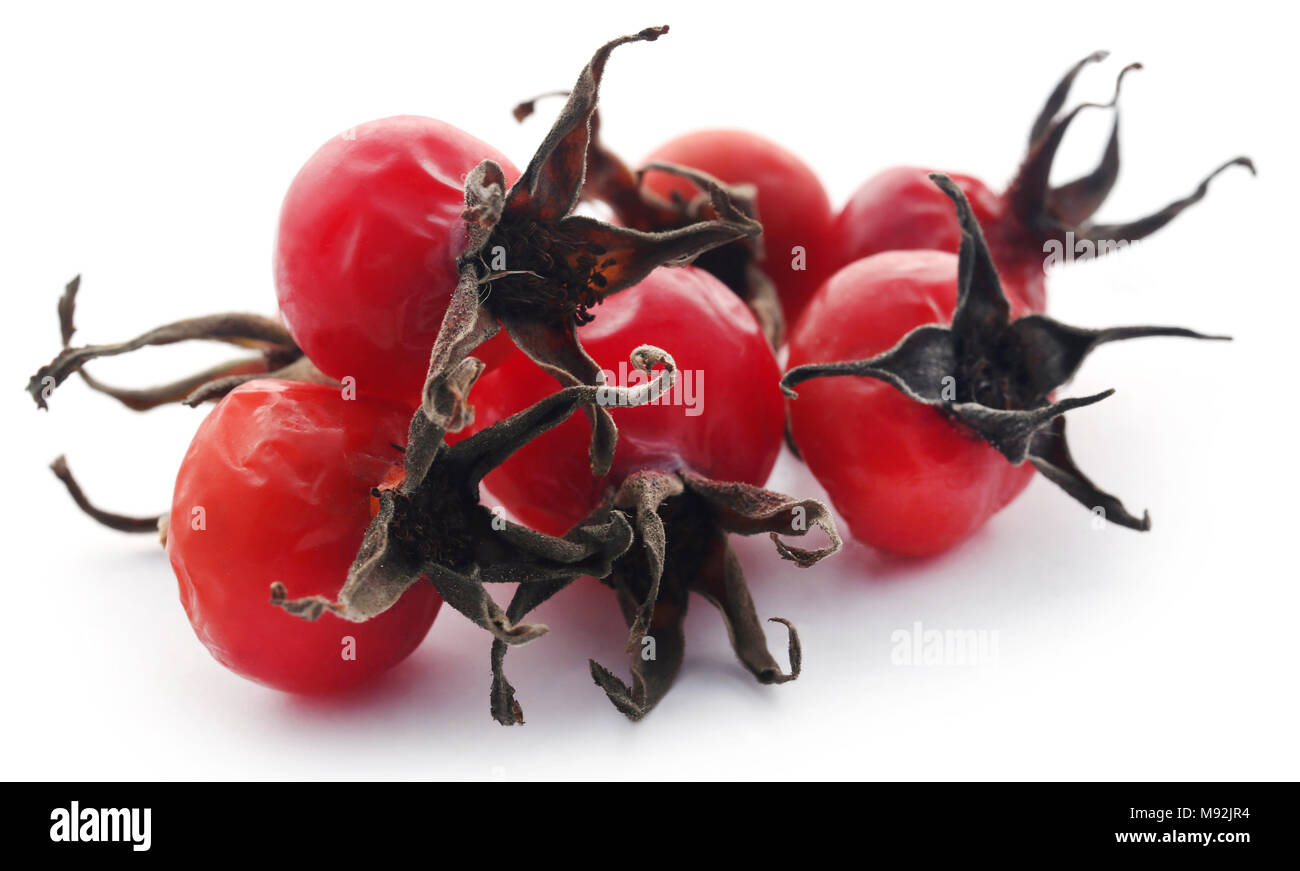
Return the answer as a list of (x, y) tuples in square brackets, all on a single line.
[(147, 147)]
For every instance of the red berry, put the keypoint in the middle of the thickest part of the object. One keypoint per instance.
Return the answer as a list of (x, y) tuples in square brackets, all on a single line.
[(732, 433), (900, 474), (275, 488), (899, 209), (792, 204), (365, 259)]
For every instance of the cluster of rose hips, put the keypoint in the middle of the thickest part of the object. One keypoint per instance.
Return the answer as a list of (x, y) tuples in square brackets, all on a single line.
[(338, 475)]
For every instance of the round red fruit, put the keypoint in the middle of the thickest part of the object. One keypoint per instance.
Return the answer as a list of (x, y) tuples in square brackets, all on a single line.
[(901, 475), (276, 487), (365, 256)]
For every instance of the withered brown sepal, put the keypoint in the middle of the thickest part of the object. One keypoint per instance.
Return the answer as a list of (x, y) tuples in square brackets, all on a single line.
[(1063, 213), (738, 265)]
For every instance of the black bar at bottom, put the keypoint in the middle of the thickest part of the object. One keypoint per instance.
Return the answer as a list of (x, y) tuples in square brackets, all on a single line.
[(331, 819)]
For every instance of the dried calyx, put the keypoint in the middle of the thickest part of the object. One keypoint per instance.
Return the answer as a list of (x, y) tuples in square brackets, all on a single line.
[(994, 376), (275, 355), (121, 522), (537, 269), (682, 521), (660, 536), (1046, 212), (738, 265), (432, 526)]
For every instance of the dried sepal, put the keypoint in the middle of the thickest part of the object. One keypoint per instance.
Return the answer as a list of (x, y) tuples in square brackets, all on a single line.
[(552, 183), (1064, 211), (738, 265), (1051, 455), (611, 528), (682, 521), (922, 366), (278, 357), (120, 522), (611, 181), (761, 295), (748, 510), (465, 326), (652, 677), (432, 527), (555, 348), (448, 407), (724, 585), (994, 376), (557, 265), (1011, 431), (1056, 99), (433, 522), (641, 495), (1055, 351), (1140, 228)]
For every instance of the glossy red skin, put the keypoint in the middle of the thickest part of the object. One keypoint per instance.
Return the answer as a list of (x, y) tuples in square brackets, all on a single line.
[(707, 328), (792, 203), (905, 479), (901, 209), (283, 471), (365, 255)]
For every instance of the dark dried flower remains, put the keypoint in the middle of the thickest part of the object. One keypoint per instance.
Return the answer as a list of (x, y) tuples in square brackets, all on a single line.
[(1046, 212), (994, 376), (557, 265), (276, 356), (682, 522), (738, 265), (432, 526)]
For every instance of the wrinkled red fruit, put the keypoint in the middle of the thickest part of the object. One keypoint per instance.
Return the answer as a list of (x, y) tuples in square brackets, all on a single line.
[(275, 488), (365, 260)]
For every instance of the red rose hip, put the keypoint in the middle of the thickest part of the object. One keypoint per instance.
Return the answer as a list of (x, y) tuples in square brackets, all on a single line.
[(365, 257), (275, 488), (948, 394)]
